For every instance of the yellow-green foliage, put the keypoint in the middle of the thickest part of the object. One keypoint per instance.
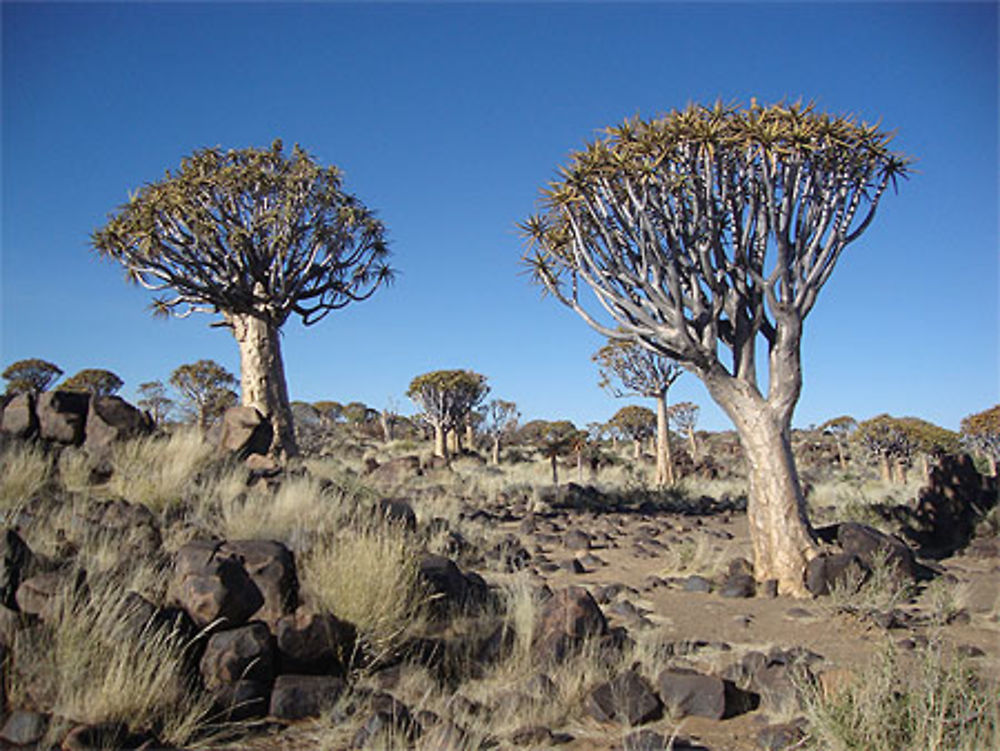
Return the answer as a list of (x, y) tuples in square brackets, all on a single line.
[(934, 702), (24, 471)]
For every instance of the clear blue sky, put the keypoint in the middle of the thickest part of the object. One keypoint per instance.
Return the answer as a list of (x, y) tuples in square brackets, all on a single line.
[(447, 118)]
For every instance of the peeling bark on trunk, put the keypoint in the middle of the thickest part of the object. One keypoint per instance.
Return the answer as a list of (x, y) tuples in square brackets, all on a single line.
[(664, 457), (440, 442), (782, 538), (262, 378)]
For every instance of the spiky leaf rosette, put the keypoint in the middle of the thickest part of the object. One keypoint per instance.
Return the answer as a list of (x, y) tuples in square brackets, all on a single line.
[(251, 231)]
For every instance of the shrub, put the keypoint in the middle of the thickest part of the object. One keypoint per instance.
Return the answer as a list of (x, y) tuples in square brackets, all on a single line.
[(937, 704)]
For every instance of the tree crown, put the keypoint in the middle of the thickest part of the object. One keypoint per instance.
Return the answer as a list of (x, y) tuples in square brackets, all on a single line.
[(634, 421), (447, 396), (31, 376), (251, 231), (639, 371), (94, 381)]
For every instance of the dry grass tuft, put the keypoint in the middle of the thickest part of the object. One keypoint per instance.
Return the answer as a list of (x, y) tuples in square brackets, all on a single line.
[(159, 472), (24, 471)]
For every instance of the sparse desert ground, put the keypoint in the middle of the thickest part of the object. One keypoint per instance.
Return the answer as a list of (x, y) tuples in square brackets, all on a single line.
[(488, 608)]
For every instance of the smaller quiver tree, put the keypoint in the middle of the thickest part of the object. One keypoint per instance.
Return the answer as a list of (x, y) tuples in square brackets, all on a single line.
[(94, 381), (629, 369), (207, 390), (500, 422), (153, 398), (445, 398), (635, 422), (32, 376), (684, 415), (256, 236), (841, 429), (981, 434)]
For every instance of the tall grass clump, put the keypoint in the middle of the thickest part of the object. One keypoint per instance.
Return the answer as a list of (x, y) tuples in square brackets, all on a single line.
[(74, 468), (24, 471), (936, 704), (94, 670), (159, 472), (368, 573), (881, 588)]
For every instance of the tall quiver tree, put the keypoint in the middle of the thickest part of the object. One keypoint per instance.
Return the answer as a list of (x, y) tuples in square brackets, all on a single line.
[(446, 397), (94, 381), (499, 421), (255, 235), (629, 369), (713, 229)]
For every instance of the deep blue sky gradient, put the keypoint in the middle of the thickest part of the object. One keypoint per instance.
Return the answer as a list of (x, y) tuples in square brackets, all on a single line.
[(447, 119)]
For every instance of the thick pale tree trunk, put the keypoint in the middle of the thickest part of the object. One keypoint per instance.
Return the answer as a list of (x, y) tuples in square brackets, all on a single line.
[(470, 436), (693, 444), (440, 441), (664, 456), (262, 378), (885, 468), (637, 449), (495, 453), (783, 542)]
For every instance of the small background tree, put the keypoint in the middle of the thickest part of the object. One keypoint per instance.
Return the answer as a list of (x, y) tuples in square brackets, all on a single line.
[(153, 398), (684, 416), (841, 428), (635, 422), (552, 439), (257, 235), (981, 434), (445, 398), (499, 422), (206, 388), (94, 381), (32, 376), (629, 369)]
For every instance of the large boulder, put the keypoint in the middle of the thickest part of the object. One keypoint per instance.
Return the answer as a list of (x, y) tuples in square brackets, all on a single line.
[(314, 643), (271, 565), (948, 507), (686, 693), (62, 416), (15, 564), (870, 545), (19, 418), (243, 653), (245, 431), (214, 589), (110, 419), (294, 697), (566, 620), (628, 698), (450, 589)]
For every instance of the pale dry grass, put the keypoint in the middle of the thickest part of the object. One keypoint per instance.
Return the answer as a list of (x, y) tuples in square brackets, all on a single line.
[(934, 702), (25, 469), (367, 574), (95, 673), (880, 590), (74, 468), (159, 473)]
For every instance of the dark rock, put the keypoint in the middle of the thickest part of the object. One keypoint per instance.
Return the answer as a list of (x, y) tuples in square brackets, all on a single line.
[(111, 419), (738, 585), (19, 418), (398, 511), (628, 698), (245, 431), (39, 594), (576, 539), (243, 653), (390, 721), (770, 588), (62, 416), (780, 737), (531, 735), (314, 642), (294, 697), (969, 650), (508, 554), (449, 588), (15, 565), (24, 728), (697, 584), (242, 700), (686, 693), (645, 740), (395, 471), (271, 566), (573, 566), (213, 588), (947, 509), (868, 544), (565, 621), (824, 571)]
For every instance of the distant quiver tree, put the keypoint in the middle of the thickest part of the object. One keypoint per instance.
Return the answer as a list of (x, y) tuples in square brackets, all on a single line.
[(255, 235), (981, 434), (31, 376), (446, 397), (711, 230), (206, 388), (94, 381), (629, 369)]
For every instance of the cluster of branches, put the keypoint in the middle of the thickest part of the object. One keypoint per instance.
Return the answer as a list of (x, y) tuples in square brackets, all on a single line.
[(447, 399)]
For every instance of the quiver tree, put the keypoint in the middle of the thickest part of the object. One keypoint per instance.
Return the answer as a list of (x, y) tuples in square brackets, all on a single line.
[(499, 422), (32, 376), (684, 416), (887, 441), (981, 434), (206, 388), (446, 397), (255, 235), (841, 429), (553, 439), (93, 381), (153, 398), (704, 234), (629, 369), (635, 422)]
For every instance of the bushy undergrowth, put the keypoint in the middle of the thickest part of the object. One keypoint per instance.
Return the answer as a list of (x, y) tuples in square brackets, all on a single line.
[(880, 588), (92, 671), (933, 702), (25, 469), (159, 472)]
